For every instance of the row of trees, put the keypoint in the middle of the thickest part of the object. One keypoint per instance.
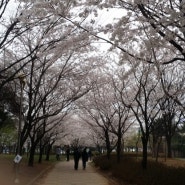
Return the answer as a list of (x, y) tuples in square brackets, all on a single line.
[(150, 38), (49, 44), (44, 51), (127, 99)]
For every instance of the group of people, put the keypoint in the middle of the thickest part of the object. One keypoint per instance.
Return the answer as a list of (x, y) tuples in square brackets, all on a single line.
[(85, 154)]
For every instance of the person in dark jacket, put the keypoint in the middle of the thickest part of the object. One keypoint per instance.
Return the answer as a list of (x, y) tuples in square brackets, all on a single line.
[(84, 157), (89, 155), (76, 158), (67, 153)]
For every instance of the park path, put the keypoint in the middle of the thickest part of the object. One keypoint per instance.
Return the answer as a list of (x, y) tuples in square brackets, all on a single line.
[(64, 174)]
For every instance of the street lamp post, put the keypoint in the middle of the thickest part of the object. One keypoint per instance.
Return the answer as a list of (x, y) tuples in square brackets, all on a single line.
[(18, 157), (22, 84)]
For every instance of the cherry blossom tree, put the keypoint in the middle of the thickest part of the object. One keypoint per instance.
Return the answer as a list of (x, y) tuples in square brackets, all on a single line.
[(147, 25), (97, 111), (149, 31), (97, 115), (172, 112), (49, 41), (140, 94), (51, 91), (122, 120), (47, 51), (10, 29), (104, 112)]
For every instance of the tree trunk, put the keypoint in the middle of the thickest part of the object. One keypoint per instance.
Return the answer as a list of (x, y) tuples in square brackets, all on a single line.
[(41, 153), (49, 146), (119, 147), (169, 150), (144, 160), (158, 146), (31, 157), (108, 147), (154, 146)]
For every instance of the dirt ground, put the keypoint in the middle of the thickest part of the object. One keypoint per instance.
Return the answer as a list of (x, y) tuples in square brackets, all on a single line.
[(10, 174)]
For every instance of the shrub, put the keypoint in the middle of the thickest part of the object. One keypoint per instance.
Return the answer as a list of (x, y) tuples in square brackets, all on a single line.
[(130, 170), (102, 162)]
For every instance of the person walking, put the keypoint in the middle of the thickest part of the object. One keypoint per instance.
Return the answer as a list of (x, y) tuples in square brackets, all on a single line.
[(84, 157), (76, 157), (58, 153), (67, 153), (89, 155)]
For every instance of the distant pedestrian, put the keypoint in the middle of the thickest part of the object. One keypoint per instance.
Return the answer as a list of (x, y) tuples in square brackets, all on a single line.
[(84, 157), (89, 155), (58, 153), (67, 153), (77, 156)]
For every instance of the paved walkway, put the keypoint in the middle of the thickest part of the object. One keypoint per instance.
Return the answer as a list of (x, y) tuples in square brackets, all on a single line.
[(64, 174)]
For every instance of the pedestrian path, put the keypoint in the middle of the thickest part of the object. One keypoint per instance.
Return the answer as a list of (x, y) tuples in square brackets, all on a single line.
[(64, 174)]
